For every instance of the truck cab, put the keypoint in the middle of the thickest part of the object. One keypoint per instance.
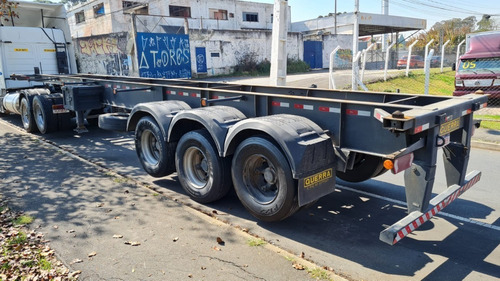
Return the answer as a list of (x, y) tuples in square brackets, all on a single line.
[(479, 67)]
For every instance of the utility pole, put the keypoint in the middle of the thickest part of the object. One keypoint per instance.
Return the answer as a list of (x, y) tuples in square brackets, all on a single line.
[(335, 18), (385, 11), (355, 35), (278, 47)]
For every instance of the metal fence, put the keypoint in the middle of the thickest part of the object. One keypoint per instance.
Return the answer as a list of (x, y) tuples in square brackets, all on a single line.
[(437, 73)]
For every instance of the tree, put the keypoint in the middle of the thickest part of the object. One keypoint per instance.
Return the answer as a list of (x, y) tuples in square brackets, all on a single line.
[(7, 10), (485, 24), (453, 29)]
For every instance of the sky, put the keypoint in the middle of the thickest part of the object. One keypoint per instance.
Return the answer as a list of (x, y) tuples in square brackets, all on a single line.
[(431, 10)]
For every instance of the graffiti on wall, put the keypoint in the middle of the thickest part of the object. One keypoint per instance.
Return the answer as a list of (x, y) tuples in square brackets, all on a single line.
[(103, 54), (163, 55), (343, 58)]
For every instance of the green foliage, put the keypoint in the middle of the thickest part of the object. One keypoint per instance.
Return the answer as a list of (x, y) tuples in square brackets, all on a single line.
[(248, 65), (296, 66), (255, 242), (45, 264), (22, 220)]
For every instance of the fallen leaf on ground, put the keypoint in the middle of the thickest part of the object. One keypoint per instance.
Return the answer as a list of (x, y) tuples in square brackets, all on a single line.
[(117, 236), (92, 254), (175, 239), (203, 268), (55, 226), (214, 212), (70, 231), (100, 205), (220, 241), (190, 275), (216, 248), (302, 255), (297, 266), (133, 243), (76, 261)]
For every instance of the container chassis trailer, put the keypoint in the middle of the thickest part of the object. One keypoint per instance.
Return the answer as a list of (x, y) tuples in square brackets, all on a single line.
[(281, 148)]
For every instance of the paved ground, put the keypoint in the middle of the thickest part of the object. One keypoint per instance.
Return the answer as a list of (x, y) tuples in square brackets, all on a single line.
[(81, 207)]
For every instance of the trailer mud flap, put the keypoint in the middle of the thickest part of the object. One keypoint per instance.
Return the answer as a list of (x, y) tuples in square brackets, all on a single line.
[(408, 224), (316, 185)]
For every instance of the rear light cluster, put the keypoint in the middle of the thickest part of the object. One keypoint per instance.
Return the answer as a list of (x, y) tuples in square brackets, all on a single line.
[(399, 164)]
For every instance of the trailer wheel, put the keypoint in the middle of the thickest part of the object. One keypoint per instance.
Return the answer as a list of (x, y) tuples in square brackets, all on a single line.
[(113, 121), (27, 116), (365, 167), (263, 180), (202, 173), (156, 155), (45, 120)]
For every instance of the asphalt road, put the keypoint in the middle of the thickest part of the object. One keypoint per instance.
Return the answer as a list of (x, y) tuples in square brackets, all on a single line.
[(341, 231)]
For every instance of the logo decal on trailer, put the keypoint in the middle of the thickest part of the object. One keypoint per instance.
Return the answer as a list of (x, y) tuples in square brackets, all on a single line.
[(318, 178)]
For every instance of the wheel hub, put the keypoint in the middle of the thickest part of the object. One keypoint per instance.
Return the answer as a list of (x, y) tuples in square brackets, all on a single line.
[(269, 175)]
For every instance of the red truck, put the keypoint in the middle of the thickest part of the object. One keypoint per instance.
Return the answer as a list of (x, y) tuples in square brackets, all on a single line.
[(479, 67)]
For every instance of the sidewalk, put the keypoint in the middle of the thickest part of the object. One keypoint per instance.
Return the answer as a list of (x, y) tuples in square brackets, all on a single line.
[(112, 229)]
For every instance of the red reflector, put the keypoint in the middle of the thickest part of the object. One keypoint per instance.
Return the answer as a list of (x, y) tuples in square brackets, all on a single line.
[(57, 106), (402, 163), (324, 108), (298, 106), (351, 112), (275, 103)]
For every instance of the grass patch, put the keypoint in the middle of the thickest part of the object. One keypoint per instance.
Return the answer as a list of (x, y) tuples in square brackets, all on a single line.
[(23, 220), (487, 117), (120, 180), (255, 242), (318, 274), (20, 238), (492, 125), (442, 84), (45, 264)]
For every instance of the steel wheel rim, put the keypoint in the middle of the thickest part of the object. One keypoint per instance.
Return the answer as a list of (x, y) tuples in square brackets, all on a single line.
[(150, 147), (39, 119), (25, 115), (260, 178), (196, 167)]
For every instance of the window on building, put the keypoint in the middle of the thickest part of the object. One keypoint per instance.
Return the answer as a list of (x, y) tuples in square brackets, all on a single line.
[(254, 17), (80, 17), (179, 11), (99, 10), (231, 15), (137, 7), (218, 14), (215, 55)]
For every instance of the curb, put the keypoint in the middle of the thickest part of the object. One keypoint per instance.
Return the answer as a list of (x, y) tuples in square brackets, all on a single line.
[(485, 145)]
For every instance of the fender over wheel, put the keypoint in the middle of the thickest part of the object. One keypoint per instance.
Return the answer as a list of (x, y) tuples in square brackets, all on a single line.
[(203, 174), (263, 180), (156, 155)]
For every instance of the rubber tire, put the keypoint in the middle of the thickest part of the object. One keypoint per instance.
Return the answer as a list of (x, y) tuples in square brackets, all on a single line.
[(285, 202), (365, 167), (113, 121), (27, 116), (45, 120), (159, 165), (199, 143)]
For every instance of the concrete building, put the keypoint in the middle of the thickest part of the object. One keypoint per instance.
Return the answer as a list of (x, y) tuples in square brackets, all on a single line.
[(97, 17), (228, 30)]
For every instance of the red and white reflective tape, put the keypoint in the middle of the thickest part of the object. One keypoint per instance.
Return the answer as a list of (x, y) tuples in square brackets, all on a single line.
[(465, 112), (195, 95), (280, 104), (107, 85), (329, 109), (218, 97), (379, 114), (403, 232), (358, 112), (186, 94), (169, 92), (127, 87), (303, 106), (421, 128), (483, 105)]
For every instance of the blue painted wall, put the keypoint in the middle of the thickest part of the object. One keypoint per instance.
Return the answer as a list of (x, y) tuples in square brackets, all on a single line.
[(163, 55)]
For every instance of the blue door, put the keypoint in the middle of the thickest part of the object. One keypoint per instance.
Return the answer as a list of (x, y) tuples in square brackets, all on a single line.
[(313, 53), (201, 60)]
